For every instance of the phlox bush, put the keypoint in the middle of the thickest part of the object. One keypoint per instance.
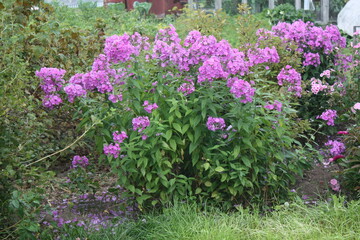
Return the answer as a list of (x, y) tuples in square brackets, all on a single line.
[(322, 62), (180, 118)]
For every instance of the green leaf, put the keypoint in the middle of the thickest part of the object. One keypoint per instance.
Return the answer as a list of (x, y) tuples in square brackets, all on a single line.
[(193, 146), (185, 128), (208, 184), (198, 190), (131, 188), (177, 127), (168, 135), (142, 198), (206, 165), (178, 114), (236, 151), (219, 169), (247, 142), (173, 144), (246, 161)]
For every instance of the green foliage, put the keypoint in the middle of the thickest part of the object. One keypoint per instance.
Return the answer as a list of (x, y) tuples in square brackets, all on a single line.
[(247, 25), (142, 7), (81, 180), (206, 22), (351, 172), (287, 13)]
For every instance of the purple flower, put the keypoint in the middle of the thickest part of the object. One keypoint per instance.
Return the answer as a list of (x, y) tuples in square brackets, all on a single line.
[(276, 105), (80, 161), (140, 123), (311, 59), (112, 149), (50, 101), (149, 107), (73, 91), (335, 147), (291, 76), (115, 98), (119, 137), (329, 116), (214, 124), (241, 89), (187, 87), (52, 79)]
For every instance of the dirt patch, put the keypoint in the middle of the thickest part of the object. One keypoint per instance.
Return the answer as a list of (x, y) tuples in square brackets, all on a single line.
[(315, 183)]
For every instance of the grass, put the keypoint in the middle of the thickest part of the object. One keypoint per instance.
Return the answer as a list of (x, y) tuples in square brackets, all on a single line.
[(297, 221)]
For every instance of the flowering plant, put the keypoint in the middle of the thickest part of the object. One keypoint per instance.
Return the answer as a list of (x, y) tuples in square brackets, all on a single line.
[(190, 120)]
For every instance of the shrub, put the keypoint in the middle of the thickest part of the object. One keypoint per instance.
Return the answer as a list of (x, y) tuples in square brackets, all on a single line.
[(184, 119)]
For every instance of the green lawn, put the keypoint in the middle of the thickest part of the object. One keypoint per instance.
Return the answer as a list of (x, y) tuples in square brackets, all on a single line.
[(332, 220)]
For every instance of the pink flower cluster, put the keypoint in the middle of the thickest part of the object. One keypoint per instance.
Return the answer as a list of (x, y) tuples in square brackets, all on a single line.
[(329, 116), (79, 161), (334, 184), (311, 59), (327, 73), (214, 124), (150, 107), (276, 105), (317, 86), (140, 123), (241, 89), (291, 76)]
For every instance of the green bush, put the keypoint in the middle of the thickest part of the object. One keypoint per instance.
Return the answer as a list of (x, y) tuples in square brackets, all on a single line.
[(287, 13)]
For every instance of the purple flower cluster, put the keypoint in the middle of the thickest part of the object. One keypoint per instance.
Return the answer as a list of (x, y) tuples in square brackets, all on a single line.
[(119, 137), (310, 37), (140, 123), (241, 89), (150, 107), (311, 59), (276, 105), (52, 79), (115, 98), (187, 87), (79, 161), (335, 147), (49, 101), (73, 91), (52, 82), (214, 124), (266, 55), (112, 149), (210, 70), (123, 48), (329, 116), (291, 76)]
